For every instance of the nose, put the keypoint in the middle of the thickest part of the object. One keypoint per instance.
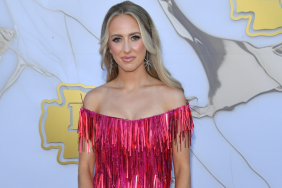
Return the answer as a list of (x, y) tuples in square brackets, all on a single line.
[(127, 47)]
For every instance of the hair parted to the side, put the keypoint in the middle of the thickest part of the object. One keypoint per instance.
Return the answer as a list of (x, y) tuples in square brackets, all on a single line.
[(150, 39)]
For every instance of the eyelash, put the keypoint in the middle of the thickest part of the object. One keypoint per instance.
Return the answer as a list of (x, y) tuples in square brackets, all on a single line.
[(137, 37)]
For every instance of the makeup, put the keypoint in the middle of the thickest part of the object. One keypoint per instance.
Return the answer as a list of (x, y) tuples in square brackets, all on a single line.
[(127, 58)]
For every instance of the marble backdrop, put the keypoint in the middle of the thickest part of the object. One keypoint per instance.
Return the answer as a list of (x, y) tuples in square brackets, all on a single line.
[(236, 77)]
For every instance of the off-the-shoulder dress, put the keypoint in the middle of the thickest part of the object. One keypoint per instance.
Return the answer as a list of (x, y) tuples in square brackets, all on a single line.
[(133, 153)]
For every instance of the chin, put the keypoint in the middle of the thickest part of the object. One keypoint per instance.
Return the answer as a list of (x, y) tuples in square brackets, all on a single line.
[(130, 68)]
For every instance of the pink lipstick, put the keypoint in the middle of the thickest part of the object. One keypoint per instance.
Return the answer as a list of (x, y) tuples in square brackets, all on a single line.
[(128, 58)]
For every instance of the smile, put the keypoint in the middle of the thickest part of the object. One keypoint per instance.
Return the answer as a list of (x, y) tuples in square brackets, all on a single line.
[(128, 59)]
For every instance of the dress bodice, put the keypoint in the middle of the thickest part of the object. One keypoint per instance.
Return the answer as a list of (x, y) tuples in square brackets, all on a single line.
[(133, 153)]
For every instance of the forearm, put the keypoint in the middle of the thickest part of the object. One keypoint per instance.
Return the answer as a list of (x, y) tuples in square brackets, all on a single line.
[(183, 178), (85, 178)]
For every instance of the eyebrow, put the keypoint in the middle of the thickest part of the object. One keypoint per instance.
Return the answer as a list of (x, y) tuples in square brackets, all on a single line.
[(118, 35)]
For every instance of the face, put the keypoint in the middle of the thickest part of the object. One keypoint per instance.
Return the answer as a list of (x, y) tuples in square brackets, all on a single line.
[(125, 43)]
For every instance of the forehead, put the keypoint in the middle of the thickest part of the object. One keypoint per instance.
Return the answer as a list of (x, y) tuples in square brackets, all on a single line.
[(123, 24)]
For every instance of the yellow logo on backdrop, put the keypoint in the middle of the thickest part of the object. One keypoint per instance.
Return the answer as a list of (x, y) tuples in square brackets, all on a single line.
[(59, 122), (267, 13)]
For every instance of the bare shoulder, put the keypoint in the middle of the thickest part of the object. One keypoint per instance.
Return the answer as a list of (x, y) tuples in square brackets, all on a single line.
[(94, 97), (172, 97)]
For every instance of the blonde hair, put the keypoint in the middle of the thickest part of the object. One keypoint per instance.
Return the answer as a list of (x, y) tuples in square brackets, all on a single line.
[(150, 38)]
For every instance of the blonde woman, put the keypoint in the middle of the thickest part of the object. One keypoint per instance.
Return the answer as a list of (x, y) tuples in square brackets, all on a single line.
[(136, 124)]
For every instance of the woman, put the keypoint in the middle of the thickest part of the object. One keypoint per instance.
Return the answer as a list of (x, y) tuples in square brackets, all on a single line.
[(135, 122)]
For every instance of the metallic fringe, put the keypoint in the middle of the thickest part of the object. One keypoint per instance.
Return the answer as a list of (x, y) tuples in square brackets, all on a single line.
[(133, 153)]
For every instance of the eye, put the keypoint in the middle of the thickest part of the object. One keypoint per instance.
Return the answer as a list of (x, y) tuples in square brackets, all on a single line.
[(135, 37), (116, 39)]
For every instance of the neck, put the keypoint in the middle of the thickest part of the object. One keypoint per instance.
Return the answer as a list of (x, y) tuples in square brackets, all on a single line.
[(134, 79)]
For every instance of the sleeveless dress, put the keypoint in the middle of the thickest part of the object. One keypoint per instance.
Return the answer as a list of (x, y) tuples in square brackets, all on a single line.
[(133, 153)]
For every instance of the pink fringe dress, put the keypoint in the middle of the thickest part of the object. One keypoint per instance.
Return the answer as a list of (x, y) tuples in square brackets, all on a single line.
[(133, 153)]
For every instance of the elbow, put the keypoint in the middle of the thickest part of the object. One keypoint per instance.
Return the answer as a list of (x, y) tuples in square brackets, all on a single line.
[(182, 177), (182, 171), (82, 171), (85, 178)]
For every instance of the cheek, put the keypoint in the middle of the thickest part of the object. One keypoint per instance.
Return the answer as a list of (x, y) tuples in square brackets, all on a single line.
[(139, 47), (115, 47)]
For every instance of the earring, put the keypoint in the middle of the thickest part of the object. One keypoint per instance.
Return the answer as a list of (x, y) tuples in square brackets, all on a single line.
[(111, 65), (147, 62)]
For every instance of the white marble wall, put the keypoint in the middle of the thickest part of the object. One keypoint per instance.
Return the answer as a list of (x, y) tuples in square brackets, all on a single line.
[(56, 41)]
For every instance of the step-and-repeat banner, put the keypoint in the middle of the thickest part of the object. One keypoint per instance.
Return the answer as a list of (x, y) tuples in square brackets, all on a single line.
[(226, 53)]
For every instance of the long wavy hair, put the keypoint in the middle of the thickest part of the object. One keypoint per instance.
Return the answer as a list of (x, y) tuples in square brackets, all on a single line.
[(150, 39)]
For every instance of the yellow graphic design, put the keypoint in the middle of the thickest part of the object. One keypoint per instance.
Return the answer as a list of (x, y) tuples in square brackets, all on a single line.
[(268, 15), (59, 122)]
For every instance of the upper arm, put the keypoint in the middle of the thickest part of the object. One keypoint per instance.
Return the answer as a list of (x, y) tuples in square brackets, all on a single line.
[(180, 152), (86, 161)]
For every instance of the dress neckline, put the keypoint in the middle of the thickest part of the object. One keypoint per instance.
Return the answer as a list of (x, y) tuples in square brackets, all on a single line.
[(140, 119)]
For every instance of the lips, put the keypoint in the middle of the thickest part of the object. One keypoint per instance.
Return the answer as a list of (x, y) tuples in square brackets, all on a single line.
[(128, 58)]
